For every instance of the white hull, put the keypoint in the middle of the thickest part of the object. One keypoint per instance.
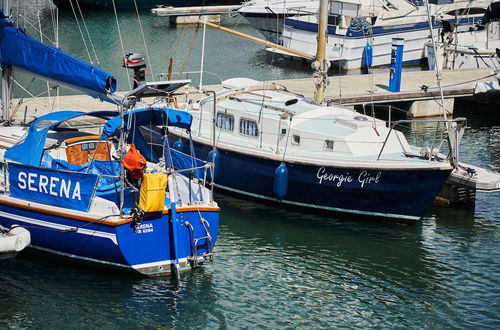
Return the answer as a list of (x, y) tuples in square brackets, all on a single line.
[(268, 16), (270, 28), (349, 51)]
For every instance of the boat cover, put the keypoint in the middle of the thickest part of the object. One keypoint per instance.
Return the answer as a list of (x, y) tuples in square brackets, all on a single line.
[(109, 171), (23, 51), (30, 150), (146, 117)]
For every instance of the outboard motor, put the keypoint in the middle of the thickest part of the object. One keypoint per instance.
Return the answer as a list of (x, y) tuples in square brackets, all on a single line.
[(138, 63)]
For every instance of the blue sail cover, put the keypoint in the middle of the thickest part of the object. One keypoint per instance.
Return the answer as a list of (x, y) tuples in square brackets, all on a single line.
[(30, 150), (21, 50)]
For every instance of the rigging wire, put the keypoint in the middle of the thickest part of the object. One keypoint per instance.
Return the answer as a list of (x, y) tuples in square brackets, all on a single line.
[(54, 12), (144, 40), (41, 39), (81, 32), (88, 34), (35, 28), (121, 44)]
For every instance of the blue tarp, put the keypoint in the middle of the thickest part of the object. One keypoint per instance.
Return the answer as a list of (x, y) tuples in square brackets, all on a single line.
[(146, 117), (30, 151), (21, 50), (181, 161), (108, 184)]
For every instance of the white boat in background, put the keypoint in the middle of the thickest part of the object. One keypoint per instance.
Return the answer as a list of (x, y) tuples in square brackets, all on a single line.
[(13, 240), (352, 25), (475, 48), (268, 16)]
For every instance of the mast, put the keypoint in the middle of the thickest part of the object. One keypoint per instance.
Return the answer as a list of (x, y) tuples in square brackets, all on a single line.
[(6, 73), (320, 65)]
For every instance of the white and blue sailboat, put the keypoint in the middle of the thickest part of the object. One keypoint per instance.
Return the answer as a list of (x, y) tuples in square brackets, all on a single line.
[(354, 26), (278, 146), (92, 186)]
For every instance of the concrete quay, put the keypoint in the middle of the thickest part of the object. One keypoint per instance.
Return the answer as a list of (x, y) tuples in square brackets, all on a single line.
[(419, 87)]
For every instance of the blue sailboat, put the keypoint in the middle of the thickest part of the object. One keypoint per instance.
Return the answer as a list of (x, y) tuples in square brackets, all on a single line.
[(91, 186), (280, 147)]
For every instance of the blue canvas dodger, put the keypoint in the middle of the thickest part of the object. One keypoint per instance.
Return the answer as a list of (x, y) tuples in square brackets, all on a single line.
[(148, 116), (30, 150)]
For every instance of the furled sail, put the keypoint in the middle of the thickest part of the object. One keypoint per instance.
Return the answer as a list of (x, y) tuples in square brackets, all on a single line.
[(23, 51)]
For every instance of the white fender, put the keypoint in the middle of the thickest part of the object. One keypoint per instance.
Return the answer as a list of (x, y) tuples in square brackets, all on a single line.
[(15, 240)]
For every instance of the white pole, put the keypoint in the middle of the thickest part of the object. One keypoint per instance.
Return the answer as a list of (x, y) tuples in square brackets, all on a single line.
[(6, 72), (438, 70), (203, 51)]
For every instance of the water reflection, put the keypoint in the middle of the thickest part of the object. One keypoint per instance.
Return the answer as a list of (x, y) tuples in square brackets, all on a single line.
[(349, 262)]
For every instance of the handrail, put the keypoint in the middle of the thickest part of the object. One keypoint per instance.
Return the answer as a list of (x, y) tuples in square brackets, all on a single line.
[(457, 120)]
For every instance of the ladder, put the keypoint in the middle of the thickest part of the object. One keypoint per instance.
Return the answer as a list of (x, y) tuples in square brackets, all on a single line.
[(193, 259)]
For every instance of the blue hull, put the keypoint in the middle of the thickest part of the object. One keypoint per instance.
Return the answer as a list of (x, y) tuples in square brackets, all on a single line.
[(403, 194), (146, 248)]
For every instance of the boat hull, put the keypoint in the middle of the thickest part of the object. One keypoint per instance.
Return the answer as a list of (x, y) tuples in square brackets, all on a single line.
[(125, 4), (347, 50), (148, 247), (396, 192)]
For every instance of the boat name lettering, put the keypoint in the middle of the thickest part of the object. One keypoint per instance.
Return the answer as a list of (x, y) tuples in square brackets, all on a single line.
[(339, 178), (144, 228), (49, 185), (364, 178)]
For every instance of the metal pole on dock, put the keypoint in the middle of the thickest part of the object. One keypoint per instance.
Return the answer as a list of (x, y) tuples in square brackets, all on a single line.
[(438, 70), (203, 51)]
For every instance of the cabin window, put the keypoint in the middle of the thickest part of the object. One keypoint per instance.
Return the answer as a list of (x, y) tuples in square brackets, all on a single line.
[(296, 139), (80, 152), (225, 121), (283, 131), (249, 127), (329, 145), (467, 11), (88, 146)]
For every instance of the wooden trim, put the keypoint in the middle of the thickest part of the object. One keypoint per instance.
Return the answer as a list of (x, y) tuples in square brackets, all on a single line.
[(106, 222), (66, 215), (83, 138), (194, 208)]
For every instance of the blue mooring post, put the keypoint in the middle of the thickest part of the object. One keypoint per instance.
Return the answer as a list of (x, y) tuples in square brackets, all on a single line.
[(396, 67)]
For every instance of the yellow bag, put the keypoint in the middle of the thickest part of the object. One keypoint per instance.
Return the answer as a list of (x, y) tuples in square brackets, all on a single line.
[(152, 195)]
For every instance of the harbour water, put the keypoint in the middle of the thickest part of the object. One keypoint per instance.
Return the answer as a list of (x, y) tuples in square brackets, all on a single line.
[(276, 268)]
